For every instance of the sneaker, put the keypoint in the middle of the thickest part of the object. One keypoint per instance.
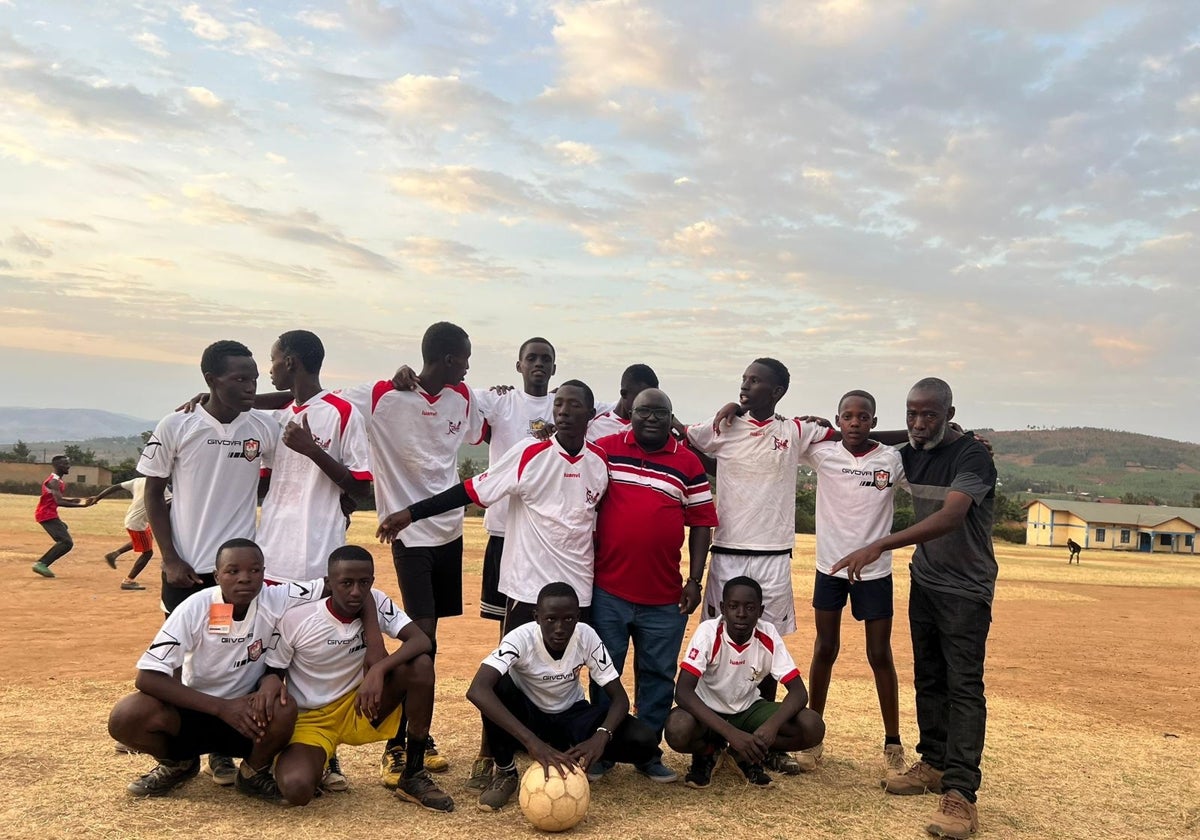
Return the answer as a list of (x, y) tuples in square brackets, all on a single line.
[(422, 790), (807, 760), (334, 780), (599, 770), (223, 770), (125, 749), (259, 786), (918, 779), (955, 817), (43, 570), (894, 758), (497, 794), (391, 766), (111, 559), (434, 761), (782, 762), (482, 770), (703, 765), (165, 777), (656, 771), (754, 774), (131, 585)]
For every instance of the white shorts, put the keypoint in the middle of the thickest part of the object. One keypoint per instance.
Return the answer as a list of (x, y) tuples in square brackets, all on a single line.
[(773, 573)]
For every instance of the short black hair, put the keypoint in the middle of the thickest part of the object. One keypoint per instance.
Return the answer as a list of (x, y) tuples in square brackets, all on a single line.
[(537, 339), (238, 542), (306, 347), (778, 370), (741, 580), (558, 589), (58, 458), (442, 339), (215, 356), (938, 387), (346, 553), (587, 392), (857, 393), (641, 373)]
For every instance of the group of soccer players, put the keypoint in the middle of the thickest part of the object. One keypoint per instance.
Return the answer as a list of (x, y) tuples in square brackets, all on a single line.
[(272, 652)]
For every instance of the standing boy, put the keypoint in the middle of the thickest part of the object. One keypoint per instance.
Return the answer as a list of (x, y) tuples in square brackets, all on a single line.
[(856, 481), (46, 514), (321, 649), (529, 695), (137, 526), (953, 581), (718, 696)]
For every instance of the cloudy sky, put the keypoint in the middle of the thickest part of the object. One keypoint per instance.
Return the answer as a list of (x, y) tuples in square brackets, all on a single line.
[(1001, 194)]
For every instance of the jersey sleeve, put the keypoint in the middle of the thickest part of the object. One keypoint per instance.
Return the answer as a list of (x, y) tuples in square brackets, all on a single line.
[(783, 668), (281, 648), (129, 485), (354, 446), (501, 479), (808, 434), (974, 473), (178, 636), (698, 508), (158, 455), (272, 434), (392, 619), (599, 661), (701, 436), (511, 649), (360, 396), (699, 651)]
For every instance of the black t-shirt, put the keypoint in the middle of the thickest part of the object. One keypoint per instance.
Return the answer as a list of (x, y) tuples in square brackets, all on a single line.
[(961, 562)]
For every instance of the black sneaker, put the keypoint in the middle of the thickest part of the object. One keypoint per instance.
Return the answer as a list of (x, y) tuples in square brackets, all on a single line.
[(334, 780), (224, 771), (703, 765), (165, 777), (500, 791), (259, 786), (754, 774), (422, 790)]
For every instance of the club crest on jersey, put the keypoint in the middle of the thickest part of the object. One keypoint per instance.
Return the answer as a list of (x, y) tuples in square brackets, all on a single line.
[(693, 653), (883, 480), (255, 650), (251, 448), (592, 498), (781, 444), (536, 427), (452, 427)]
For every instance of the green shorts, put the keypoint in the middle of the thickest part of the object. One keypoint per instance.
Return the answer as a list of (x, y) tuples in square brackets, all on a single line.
[(748, 720)]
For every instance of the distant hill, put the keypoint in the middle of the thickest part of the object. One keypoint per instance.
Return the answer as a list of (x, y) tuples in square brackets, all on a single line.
[(1096, 462), (35, 425)]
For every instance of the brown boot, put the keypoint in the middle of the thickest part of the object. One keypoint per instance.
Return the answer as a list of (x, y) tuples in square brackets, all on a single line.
[(955, 817), (918, 779)]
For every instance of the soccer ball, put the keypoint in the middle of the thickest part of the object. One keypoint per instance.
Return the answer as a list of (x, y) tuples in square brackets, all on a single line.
[(557, 803)]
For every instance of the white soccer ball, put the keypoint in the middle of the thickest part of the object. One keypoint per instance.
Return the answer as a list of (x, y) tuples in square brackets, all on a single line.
[(557, 803)]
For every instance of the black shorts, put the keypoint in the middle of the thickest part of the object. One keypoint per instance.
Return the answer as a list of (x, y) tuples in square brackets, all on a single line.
[(869, 599), (517, 613), (492, 603), (430, 578), (173, 596), (200, 734)]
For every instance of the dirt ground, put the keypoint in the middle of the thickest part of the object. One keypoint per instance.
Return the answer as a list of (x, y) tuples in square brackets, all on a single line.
[(1075, 667)]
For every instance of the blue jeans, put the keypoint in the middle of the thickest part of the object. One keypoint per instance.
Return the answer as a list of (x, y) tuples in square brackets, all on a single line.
[(657, 633), (949, 639)]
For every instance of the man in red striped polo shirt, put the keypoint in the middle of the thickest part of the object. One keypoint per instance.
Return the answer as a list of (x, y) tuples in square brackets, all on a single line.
[(657, 486)]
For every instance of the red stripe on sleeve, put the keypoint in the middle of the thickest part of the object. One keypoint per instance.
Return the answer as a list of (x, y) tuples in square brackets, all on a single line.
[(765, 640), (691, 669), (382, 387), (790, 675), (469, 486), (531, 452), (343, 409)]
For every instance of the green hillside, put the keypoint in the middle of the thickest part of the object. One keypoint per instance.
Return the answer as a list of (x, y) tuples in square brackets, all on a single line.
[(1098, 462)]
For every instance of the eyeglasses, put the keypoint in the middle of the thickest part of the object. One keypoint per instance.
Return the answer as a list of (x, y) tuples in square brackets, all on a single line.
[(643, 413)]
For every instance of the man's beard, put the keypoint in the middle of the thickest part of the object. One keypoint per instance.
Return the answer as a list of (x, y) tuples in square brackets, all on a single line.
[(932, 443)]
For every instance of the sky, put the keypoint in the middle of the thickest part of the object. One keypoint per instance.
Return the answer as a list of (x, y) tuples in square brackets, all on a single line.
[(1004, 195)]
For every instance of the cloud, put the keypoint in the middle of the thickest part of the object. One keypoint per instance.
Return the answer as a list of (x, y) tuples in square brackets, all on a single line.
[(69, 224), (324, 21), (202, 24), (204, 97), (278, 272), (26, 244), (151, 43), (576, 153)]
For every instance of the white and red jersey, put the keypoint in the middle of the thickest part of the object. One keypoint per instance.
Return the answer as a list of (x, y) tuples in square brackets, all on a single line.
[(513, 418), (854, 502), (552, 684), (136, 518), (756, 479), (323, 652), (214, 469), (302, 520), (414, 438), (729, 673), (607, 423), (551, 515), (225, 660)]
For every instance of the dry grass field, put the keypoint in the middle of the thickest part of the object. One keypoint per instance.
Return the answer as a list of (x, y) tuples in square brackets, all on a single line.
[(1093, 683)]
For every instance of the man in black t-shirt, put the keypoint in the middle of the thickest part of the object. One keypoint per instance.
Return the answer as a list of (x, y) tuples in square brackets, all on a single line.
[(953, 580)]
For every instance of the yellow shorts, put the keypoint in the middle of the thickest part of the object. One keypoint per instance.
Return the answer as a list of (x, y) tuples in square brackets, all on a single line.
[(340, 722)]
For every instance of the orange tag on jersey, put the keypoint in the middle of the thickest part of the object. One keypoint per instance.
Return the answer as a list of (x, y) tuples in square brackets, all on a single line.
[(220, 618)]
